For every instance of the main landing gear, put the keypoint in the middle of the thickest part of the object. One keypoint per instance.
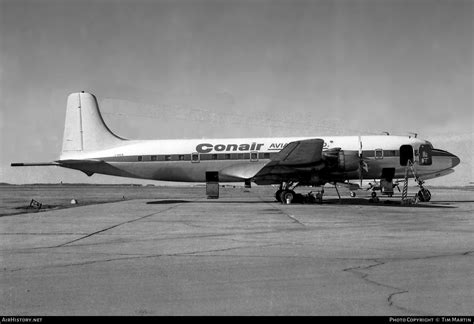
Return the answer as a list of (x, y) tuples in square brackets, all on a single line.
[(287, 195)]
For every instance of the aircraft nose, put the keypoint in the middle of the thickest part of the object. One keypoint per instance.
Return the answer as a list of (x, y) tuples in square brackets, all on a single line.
[(454, 160)]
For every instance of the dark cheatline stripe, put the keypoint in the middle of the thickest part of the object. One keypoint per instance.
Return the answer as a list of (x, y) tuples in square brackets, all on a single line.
[(437, 152), (188, 157), (219, 156)]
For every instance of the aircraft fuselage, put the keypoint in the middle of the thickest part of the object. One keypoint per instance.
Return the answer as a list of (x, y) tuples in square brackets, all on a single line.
[(189, 160)]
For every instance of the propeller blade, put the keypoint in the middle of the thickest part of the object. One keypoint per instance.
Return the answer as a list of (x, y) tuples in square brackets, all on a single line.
[(360, 161)]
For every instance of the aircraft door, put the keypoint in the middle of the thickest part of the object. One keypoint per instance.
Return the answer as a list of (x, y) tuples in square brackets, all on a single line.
[(386, 181), (212, 184), (406, 154), (425, 155)]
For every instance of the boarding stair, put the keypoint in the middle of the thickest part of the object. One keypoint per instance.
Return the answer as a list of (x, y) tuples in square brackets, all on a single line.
[(409, 167), (423, 194)]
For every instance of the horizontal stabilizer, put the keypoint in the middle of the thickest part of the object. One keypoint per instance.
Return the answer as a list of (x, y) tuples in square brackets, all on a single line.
[(79, 162), (88, 166), (34, 164)]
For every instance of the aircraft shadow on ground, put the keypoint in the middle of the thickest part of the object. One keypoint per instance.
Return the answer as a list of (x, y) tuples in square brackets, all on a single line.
[(168, 201), (210, 201), (330, 201), (388, 203)]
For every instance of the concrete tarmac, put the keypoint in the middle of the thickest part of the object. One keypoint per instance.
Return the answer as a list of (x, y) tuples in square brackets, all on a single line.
[(242, 254)]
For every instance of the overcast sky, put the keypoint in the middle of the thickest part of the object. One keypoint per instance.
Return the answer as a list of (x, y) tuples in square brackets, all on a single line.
[(193, 69)]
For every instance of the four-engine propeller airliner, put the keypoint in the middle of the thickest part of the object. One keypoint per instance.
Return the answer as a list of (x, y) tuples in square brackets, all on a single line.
[(91, 147)]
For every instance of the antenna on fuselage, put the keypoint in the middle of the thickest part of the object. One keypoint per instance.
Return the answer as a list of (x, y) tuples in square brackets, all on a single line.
[(386, 133)]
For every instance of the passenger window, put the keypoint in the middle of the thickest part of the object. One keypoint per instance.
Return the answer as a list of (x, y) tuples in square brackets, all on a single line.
[(378, 154), (254, 156), (195, 157)]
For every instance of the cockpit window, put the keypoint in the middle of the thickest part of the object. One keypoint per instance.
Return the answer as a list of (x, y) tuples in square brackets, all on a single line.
[(425, 154)]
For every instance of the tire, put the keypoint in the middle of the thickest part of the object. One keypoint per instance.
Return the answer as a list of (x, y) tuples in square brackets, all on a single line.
[(424, 195), (427, 195), (277, 195), (287, 195)]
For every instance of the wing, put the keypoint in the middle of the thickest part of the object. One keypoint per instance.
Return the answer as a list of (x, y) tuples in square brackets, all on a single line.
[(305, 155), (300, 153)]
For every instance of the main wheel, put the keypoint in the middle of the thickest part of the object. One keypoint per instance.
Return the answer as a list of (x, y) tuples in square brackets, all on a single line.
[(287, 196), (277, 195)]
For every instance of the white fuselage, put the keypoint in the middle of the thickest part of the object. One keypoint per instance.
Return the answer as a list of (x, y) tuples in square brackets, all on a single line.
[(189, 160)]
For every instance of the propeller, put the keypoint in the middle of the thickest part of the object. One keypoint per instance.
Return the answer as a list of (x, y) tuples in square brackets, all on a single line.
[(362, 164)]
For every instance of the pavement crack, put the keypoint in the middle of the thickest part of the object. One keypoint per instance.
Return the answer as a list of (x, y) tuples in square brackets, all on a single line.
[(281, 211), (392, 303), (137, 257), (197, 253), (114, 226), (359, 271)]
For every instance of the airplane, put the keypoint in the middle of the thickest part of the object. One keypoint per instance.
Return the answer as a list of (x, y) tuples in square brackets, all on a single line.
[(91, 147)]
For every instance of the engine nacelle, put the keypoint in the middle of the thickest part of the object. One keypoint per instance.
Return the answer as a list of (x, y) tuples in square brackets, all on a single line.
[(340, 160), (348, 161)]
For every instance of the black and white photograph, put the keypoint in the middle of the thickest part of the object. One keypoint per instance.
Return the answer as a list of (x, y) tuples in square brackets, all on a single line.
[(283, 158)]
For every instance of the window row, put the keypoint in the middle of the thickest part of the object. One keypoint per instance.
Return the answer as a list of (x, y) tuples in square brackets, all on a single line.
[(205, 157)]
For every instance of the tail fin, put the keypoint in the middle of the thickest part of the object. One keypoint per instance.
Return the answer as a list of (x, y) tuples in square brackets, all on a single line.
[(85, 130)]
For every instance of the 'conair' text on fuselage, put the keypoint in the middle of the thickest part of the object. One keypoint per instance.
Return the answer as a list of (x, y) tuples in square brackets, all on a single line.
[(207, 147)]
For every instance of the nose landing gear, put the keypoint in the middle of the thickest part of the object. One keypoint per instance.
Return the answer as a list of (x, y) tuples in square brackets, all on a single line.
[(424, 194)]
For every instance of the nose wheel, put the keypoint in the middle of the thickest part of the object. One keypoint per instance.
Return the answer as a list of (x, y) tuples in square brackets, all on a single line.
[(424, 195)]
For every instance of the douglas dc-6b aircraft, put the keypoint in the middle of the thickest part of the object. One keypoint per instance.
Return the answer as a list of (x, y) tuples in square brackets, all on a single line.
[(91, 147)]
